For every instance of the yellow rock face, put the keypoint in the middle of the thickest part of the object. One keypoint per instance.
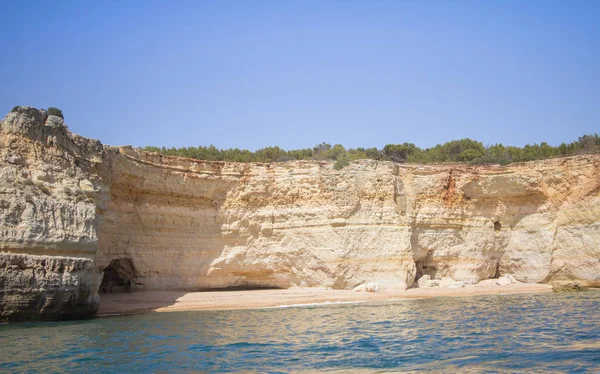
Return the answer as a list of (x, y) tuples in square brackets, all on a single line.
[(188, 224), (194, 224)]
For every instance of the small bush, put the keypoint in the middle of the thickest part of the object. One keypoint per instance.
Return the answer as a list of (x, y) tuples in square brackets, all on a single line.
[(341, 163), (52, 111), (16, 109)]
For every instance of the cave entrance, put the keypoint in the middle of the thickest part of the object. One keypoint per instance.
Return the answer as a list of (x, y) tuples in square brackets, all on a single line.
[(497, 226), (424, 269), (497, 272), (118, 276)]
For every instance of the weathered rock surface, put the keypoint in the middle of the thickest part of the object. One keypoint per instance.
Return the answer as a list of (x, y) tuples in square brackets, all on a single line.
[(189, 224), (568, 287), (47, 288), (48, 222), (194, 224)]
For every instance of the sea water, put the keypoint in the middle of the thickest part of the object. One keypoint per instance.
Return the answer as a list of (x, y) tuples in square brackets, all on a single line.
[(514, 333)]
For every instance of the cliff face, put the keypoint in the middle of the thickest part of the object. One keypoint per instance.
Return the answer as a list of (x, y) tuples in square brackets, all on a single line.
[(189, 224), (194, 224), (166, 222), (50, 195)]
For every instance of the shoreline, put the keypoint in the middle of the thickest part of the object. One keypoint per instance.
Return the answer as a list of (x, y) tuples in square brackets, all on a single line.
[(176, 301)]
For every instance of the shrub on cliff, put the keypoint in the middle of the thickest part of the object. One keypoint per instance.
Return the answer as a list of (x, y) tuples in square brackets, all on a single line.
[(341, 163), (53, 111), (399, 152)]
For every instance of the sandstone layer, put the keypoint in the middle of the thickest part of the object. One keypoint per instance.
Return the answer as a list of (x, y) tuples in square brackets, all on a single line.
[(173, 223)]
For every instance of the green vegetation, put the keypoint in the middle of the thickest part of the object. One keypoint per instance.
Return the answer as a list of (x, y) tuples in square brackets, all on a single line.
[(52, 111), (464, 150), (341, 163)]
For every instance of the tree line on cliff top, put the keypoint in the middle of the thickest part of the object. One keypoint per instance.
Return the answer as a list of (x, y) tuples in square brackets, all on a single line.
[(464, 150)]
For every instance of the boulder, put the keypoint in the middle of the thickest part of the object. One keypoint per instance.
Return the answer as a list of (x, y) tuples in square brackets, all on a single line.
[(568, 287), (506, 280), (426, 282), (456, 285), (368, 287), (446, 282)]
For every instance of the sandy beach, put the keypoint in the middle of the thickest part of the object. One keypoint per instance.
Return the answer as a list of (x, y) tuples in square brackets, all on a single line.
[(167, 301)]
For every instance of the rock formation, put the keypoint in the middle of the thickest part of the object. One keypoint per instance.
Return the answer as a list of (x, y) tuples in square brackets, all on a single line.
[(51, 196), (172, 223)]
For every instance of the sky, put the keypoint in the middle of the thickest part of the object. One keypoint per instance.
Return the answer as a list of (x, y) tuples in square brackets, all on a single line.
[(251, 74)]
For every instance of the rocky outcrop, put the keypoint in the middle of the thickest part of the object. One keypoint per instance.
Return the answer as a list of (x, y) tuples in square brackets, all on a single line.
[(47, 288), (187, 224), (51, 196), (568, 287)]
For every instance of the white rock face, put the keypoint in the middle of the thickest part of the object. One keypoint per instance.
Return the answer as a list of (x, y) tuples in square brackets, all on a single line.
[(189, 224)]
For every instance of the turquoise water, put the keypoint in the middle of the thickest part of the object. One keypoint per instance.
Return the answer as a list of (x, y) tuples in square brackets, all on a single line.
[(518, 333)]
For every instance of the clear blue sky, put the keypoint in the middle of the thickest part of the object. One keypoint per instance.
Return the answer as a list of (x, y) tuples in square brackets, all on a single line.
[(251, 74)]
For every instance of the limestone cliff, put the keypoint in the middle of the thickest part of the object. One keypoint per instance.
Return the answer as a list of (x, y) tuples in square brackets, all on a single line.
[(193, 224), (50, 195), (174, 223)]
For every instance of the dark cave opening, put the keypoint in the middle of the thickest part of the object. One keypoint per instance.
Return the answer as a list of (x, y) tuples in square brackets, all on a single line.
[(497, 273), (118, 276), (423, 269), (497, 226)]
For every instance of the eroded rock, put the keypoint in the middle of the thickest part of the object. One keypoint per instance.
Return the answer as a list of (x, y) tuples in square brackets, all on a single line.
[(191, 224), (568, 287), (47, 288)]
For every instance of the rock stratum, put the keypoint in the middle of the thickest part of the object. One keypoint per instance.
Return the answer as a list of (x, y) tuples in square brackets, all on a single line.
[(73, 211)]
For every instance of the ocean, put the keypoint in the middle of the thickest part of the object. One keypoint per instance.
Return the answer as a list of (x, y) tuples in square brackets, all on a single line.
[(513, 333)]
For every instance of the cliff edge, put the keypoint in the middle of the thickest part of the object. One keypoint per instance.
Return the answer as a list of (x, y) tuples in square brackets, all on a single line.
[(77, 217)]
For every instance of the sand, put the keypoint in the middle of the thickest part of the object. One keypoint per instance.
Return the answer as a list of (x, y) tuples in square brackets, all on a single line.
[(166, 301)]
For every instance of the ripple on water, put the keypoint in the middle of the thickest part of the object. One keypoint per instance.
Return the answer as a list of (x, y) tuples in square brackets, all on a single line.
[(540, 333)]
